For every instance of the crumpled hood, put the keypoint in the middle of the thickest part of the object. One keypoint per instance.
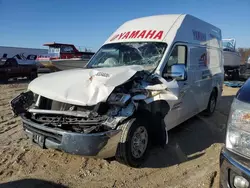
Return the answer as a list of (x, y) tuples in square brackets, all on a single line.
[(85, 87)]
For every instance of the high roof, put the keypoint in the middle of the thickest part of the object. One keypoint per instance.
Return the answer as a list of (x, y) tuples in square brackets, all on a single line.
[(164, 28)]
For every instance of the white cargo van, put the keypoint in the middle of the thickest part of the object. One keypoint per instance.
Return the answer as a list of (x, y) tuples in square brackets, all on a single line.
[(152, 74)]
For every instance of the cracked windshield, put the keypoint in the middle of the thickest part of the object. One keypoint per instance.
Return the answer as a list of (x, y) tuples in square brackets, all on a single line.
[(124, 54)]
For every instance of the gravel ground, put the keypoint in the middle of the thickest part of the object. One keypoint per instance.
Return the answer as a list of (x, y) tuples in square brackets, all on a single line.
[(191, 159)]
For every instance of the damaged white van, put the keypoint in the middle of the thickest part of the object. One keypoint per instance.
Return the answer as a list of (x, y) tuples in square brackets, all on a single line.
[(152, 74)]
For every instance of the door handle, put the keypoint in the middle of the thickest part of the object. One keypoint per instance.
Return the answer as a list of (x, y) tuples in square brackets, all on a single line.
[(185, 83)]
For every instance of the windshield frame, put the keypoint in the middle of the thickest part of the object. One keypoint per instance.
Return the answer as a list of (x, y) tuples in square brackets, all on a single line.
[(90, 63)]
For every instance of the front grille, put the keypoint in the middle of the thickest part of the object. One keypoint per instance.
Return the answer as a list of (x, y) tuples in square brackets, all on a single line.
[(49, 135), (68, 120)]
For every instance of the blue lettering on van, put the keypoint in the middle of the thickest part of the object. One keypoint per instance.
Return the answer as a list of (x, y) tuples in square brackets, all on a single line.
[(197, 35)]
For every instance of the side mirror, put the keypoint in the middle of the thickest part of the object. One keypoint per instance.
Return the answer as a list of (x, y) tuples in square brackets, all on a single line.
[(177, 72)]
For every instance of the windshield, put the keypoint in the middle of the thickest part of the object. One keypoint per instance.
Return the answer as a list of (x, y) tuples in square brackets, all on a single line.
[(123, 54), (228, 44)]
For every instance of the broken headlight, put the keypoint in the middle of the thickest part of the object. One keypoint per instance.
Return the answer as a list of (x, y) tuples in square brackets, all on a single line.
[(119, 99), (238, 128), (22, 102)]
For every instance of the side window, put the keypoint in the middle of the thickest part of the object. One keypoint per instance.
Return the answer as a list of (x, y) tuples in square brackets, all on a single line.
[(67, 49), (176, 64), (178, 56)]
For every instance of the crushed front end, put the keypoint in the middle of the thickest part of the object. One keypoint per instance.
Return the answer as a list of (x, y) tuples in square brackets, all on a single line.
[(87, 131)]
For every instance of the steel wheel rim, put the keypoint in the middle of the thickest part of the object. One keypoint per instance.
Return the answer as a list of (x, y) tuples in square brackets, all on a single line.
[(139, 142)]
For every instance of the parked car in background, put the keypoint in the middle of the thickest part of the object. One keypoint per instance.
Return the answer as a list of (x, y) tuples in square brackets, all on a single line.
[(10, 68), (3, 59), (235, 156)]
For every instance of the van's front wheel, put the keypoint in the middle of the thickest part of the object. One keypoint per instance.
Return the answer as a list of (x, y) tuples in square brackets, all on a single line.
[(134, 144)]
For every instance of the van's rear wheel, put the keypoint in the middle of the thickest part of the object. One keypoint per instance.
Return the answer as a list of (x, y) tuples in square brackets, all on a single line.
[(211, 104), (134, 144)]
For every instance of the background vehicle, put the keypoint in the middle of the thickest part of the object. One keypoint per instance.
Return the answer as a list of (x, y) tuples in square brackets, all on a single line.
[(231, 59), (3, 59), (12, 69), (64, 56), (235, 156)]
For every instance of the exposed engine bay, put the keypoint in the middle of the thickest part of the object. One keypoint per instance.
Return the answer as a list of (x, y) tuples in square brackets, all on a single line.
[(122, 103)]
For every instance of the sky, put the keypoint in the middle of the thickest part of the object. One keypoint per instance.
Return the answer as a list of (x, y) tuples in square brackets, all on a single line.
[(31, 23)]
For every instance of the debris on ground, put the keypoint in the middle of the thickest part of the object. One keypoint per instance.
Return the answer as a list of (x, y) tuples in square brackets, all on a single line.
[(233, 83)]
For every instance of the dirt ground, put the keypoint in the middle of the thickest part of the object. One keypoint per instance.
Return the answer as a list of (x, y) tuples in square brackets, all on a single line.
[(190, 160)]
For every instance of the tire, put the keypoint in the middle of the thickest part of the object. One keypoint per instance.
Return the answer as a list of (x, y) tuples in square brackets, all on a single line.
[(211, 104), (236, 75), (5, 78), (134, 132), (33, 75)]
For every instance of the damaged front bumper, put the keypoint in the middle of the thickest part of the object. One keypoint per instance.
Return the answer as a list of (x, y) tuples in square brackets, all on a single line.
[(100, 145), (87, 138)]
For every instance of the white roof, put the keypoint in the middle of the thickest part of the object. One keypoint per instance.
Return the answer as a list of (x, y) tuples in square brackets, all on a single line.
[(166, 28)]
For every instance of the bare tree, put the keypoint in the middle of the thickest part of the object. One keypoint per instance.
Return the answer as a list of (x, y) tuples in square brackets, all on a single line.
[(245, 54)]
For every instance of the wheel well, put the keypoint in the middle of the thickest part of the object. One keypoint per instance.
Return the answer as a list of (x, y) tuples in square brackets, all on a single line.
[(155, 113), (215, 89)]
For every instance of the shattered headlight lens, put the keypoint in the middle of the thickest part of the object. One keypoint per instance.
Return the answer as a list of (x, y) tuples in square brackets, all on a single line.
[(238, 128), (22, 102), (119, 99)]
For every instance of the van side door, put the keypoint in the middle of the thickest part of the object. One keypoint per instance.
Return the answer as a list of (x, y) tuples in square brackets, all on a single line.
[(185, 107), (201, 75)]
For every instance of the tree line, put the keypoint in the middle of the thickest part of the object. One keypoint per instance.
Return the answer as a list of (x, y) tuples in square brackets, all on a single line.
[(244, 53)]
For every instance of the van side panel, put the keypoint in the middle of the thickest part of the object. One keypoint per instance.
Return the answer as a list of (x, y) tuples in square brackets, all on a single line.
[(206, 67), (191, 30), (200, 74), (205, 59), (196, 31)]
